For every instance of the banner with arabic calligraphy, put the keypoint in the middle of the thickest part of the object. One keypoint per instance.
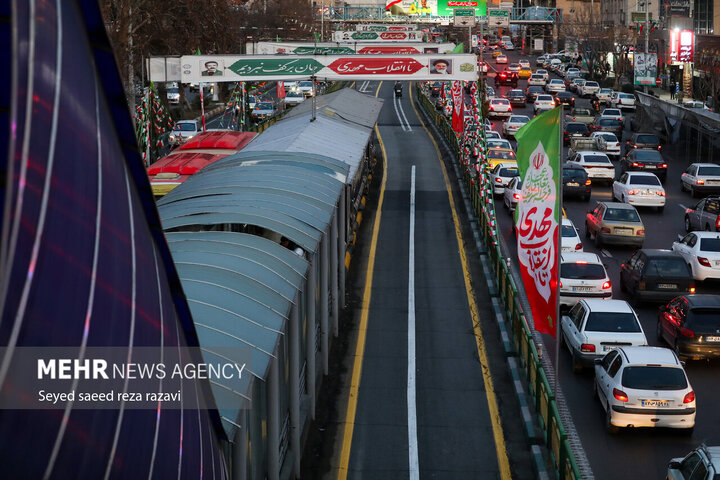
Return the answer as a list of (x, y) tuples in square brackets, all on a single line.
[(434, 8), (334, 48), (378, 27), (235, 68), (538, 216), (353, 36), (458, 105)]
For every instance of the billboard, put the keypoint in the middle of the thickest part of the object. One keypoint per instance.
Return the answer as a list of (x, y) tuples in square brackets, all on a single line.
[(353, 36), (234, 68), (332, 48), (682, 45), (435, 8), (645, 68)]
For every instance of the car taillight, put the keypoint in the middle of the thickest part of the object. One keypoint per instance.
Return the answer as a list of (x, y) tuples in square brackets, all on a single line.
[(664, 165), (691, 289), (605, 230), (633, 192), (620, 395), (516, 196), (492, 108), (573, 119), (659, 147), (560, 284), (640, 232), (660, 192), (606, 285), (700, 182), (703, 261), (587, 347), (587, 182), (498, 180), (717, 222), (635, 164), (578, 246), (689, 397)]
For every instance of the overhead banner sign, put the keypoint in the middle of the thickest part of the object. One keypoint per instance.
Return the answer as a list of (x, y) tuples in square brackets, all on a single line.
[(677, 8), (434, 8), (498, 18), (645, 68), (376, 27), (236, 68), (351, 36), (463, 17), (327, 48)]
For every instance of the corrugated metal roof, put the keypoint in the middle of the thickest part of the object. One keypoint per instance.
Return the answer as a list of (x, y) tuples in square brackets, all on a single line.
[(341, 130), (240, 289)]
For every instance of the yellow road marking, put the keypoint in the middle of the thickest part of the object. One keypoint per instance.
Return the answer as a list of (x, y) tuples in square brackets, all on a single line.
[(500, 447), (362, 329)]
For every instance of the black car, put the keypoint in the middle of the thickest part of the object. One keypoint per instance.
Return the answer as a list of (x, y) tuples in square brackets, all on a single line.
[(642, 140), (516, 97), (576, 183), (608, 125), (574, 129), (643, 160), (567, 99), (532, 92), (435, 89), (691, 325), (656, 275), (507, 77)]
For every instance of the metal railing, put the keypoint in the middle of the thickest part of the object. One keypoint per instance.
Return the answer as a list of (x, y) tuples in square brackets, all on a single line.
[(553, 432)]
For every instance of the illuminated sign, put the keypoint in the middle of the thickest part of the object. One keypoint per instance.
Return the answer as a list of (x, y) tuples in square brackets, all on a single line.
[(682, 45)]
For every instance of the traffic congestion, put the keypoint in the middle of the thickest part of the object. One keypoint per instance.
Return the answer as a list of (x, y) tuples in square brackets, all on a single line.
[(640, 325)]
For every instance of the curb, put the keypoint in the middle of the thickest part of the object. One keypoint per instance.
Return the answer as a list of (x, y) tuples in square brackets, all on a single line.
[(528, 420), (211, 113)]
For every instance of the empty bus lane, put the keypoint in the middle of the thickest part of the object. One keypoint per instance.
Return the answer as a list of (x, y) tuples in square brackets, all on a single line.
[(421, 400)]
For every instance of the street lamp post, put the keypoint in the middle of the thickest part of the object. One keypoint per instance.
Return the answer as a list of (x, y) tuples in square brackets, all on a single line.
[(647, 36)]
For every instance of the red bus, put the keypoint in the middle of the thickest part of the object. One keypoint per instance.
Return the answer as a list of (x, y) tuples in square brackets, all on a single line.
[(194, 155)]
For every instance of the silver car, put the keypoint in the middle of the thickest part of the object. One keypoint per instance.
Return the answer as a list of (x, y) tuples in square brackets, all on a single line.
[(705, 215)]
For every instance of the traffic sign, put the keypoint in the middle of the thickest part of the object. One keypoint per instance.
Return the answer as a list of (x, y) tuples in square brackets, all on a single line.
[(463, 17), (658, 81), (498, 18)]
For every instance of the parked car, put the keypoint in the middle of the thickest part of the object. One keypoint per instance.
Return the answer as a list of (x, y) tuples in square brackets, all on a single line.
[(499, 107), (642, 140), (642, 189), (184, 130), (543, 102), (569, 237), (516, 97), (645, 161), (690, 324), (512, 193), (644, 387), (705, 215), (566, 99), (583, 115), (597, 165), (701, 250), (576, 183), (501, 176), (614, 223), (704, 459), (623, 100), (656, 275), (594, 327), (513, 124), (573, 130), (607, 142), (701, 177)]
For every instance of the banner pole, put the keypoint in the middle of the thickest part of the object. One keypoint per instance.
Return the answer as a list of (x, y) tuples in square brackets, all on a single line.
[(558, 247)]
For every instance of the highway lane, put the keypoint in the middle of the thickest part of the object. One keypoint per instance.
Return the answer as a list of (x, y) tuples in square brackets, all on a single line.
[(642, 453), (421, 282)]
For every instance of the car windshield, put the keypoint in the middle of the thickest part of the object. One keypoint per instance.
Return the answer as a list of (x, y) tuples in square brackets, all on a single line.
[(502, 154), (509, 172), (264, 106), (645, 155), (608, 122), (582, 271), (591, 84), (534, 89), (306, 84), (605, 91), (173, 90), (612, 322), (500, 101), (609, 137), (519, 119), (293, 94), (647, 139), (536, 76), (612, 111), (705, 319), (644, 180), (596, 159), (582, 111), (498, 143), (576, 128), (568, 231), (708, 171), (184, 127), (565, 95), (646, 377), (622, 215), (544, 98), (516, 93), (574, 173), (627, 96), (710, 244), (668, 267)]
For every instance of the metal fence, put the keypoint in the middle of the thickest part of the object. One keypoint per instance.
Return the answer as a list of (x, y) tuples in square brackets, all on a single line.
[(553, 432)]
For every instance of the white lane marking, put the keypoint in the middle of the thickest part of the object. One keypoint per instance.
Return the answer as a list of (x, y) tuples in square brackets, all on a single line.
[(402, 111), (411, 394), (404, 124), (363, 87), (682, 206), (605, 253)]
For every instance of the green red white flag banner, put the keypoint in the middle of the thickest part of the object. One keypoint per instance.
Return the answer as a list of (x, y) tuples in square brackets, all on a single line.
[(334, 48), (238, 68), (538, 218)]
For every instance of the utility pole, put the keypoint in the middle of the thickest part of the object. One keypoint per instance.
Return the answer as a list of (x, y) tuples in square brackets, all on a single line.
[(647, 36), (322, 21)]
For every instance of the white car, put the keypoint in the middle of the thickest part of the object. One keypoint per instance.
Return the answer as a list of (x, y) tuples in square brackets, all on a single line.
[(588, 88), (489, 91), (701, 250), (512, 193), (501, 59), (482, 67), (294, 97), (524, 63), (701, 177), (537, 79), (570, 239), (500, 107), (514, 67), (307, 88), (501, 176), (604, 95), (572, 71), (555, 85), (184, 130), (513, 124), (597, 165), (623, 100), (543, 72), (492, 134), (582, 275), (644, 387), (543, 102), (641, 189), (499, 143), (614, 113), (594, 327), (607, 142), (508, 46)]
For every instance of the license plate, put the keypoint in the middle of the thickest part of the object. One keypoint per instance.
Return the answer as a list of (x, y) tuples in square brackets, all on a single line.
[(712, 339), (624, 231), (650, 166), (582, 289), (573, 184), (666, 285), (711, 182), (655, 403)]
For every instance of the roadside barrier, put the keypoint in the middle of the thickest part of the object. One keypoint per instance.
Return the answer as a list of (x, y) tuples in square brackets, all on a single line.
[(553, 433)]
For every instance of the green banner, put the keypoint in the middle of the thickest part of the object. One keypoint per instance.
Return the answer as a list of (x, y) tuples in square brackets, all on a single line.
[(323, 51), (446, 7), (276, 66), (364, 36)]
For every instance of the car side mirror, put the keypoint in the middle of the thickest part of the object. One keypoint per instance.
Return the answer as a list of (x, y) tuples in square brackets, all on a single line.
[(680, 237), (674, 465), (597, 361)]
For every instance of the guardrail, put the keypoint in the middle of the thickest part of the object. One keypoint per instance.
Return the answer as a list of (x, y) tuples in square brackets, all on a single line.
[(553, 432)]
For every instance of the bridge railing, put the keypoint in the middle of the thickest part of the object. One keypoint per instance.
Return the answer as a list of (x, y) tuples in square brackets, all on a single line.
[(553, 432), (378, 13)]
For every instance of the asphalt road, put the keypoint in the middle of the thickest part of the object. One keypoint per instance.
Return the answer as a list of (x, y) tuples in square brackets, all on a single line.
[(454, 429), (640, 453)]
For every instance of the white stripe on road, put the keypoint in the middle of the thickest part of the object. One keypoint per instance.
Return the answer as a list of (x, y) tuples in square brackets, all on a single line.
[(682, 206), (401, 116), (411, 394), (605, 253), (363, 87)]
